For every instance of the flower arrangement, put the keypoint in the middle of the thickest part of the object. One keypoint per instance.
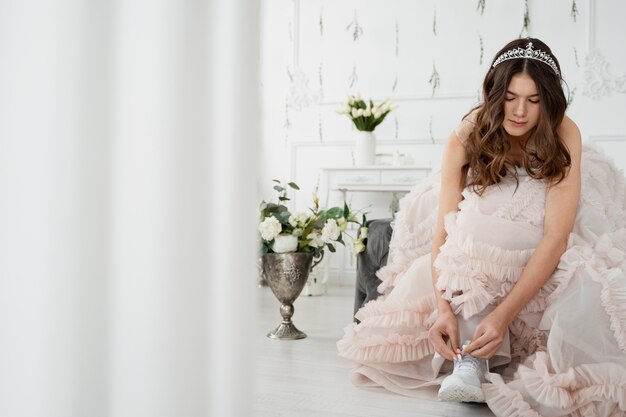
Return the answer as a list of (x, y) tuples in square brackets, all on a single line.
[(282, 231), (366, 115)]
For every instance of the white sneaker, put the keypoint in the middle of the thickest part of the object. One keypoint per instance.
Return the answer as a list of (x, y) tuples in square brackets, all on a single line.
[(463, 385)]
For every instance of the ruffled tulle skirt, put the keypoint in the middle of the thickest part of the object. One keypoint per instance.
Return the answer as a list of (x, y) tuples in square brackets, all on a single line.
[(567, 349)]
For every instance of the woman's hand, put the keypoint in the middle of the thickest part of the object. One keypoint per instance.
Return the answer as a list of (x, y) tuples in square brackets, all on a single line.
[(488, 337), (445, 329)]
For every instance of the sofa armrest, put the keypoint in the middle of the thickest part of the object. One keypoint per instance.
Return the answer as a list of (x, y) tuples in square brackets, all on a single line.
[(371, 260)]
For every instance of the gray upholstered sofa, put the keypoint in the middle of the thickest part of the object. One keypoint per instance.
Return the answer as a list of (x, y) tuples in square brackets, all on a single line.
[(371, 260)]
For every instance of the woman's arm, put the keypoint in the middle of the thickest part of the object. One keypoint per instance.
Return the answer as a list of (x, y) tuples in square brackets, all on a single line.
[(560, 214), (445, 328)]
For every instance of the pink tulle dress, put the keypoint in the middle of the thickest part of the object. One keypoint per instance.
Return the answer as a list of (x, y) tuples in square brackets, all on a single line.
[(566, 351)]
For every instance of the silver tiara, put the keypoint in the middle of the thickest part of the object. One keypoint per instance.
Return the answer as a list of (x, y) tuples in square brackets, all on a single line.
[(528, 53)]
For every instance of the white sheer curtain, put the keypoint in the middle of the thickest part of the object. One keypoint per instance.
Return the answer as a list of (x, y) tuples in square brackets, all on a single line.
[(127, 207)]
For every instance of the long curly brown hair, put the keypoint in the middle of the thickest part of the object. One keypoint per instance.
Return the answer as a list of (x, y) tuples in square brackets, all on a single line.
[(545, 155)]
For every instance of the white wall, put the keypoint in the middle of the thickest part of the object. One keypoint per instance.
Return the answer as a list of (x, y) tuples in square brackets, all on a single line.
[(312, 37)]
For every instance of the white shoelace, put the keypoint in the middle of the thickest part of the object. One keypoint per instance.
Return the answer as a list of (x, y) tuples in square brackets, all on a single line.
[(469, 362)]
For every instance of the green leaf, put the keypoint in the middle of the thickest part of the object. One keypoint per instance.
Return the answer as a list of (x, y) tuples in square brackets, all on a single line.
[(331, 247), (346, 210), (279, 188), (319, 222), (364, 221), (276, 181), (294, 185), (284, 198), (283, 218), (333, 213)]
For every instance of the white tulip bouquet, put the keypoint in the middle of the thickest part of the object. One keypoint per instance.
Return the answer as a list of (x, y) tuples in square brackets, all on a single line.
[(282, 231), (365, 114)]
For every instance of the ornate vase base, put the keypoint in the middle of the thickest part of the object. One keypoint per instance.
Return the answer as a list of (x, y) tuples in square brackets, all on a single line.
[(286, 332)]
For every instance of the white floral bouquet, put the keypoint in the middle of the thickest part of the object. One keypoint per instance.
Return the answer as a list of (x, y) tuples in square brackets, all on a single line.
[(282, 231), (366, 115)]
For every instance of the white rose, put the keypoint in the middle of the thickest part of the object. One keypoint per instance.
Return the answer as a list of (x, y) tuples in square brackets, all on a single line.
[(298, 219), (367, 112), (270, 227), (285, 244), (316, 240), (363, 233), (343, 224), (358, 246), (357, 97), (354, 113), (331, 231), (377, 115), (359, 112)]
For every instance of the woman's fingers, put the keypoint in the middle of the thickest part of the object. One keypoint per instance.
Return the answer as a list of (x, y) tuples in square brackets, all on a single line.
[(479, 340), (454, 342), (487, 351), (484, 346), (440, 345), (439, 339)]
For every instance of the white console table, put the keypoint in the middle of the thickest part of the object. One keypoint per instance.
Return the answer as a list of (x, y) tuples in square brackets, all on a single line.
[(374, 179)]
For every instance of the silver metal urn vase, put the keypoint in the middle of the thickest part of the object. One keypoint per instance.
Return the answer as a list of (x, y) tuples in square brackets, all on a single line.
[(286, 274)]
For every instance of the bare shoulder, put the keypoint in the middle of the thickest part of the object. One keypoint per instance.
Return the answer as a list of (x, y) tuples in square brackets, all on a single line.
[(569, 133), (455, 149)]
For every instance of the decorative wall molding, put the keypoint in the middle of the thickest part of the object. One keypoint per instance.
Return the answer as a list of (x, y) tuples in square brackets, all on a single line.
[(598, 81), (607, 138)]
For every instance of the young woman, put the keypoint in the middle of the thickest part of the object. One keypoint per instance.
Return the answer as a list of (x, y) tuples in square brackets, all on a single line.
[(506, 281)]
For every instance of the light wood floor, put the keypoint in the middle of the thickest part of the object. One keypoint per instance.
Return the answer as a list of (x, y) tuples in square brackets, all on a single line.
[(306, 378)]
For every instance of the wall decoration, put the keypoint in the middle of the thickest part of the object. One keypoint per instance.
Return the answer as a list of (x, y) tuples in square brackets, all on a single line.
[(397, 39), (435, 21), (300, 94), (598, 80), (395, 83), (482, 49), (397, 130), (354, 77), (430, 129), (287, 125), (574, 12), (321, 22), (357, 30), (434, 79), (570, 96), (320, 126), (481, 7), (526, 21), (576, 58)]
